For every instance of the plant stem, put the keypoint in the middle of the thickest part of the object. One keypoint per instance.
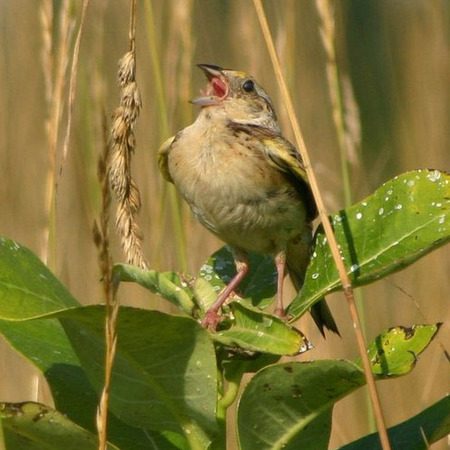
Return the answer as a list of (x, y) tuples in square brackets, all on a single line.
[(233, 378), (162, 106), (345, 280), (327, 32)]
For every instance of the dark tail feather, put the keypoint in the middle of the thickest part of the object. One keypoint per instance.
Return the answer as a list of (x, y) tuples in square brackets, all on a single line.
[(323, 318)]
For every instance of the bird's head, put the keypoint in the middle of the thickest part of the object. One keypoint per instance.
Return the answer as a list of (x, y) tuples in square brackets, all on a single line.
[(239, 95)]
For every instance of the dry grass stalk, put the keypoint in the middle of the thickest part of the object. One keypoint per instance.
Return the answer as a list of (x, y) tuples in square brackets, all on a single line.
[(72, 87), (116, 169), (344, 108), (101, 239), (123, 146), (345, 280), (55, 71)]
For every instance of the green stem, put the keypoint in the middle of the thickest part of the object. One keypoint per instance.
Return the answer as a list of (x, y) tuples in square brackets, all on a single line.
[(341, 130), (164, 125), (233, 378), (338, 111)]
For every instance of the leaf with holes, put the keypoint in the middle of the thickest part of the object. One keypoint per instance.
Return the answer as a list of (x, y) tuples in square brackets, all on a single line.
[(32, 425), (394, 352), (289, 405)]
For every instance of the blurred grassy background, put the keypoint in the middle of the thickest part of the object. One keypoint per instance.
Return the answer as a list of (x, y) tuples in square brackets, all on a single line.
[(394, 55)]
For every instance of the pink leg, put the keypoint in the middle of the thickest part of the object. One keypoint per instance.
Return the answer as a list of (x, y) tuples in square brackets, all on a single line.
[(212, 318), (280, 262)]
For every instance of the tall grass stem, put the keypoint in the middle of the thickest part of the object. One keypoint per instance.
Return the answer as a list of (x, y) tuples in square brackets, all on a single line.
[(177, 221), (345, 280), (328, 35)]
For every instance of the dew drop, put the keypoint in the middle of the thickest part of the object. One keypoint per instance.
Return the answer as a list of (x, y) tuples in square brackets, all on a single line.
[(314, 276), (434, 176), (359, 216), (380, 211), (399, 206), (354, 268)]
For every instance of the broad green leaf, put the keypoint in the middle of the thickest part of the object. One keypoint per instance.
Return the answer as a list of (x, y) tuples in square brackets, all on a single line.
[(416, 433), (27, 287), (289, 405), (27, 290), (164, 375), (259, 332), (394, 352), (33, 426), (169, 285), (259, 285), (25, 282), (45, 344), (406, 218)]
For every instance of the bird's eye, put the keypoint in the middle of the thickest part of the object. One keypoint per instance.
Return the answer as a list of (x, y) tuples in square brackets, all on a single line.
[(248, 86)]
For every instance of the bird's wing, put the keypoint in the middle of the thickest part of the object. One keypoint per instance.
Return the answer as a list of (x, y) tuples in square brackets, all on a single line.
[(284, 156), (281, 154), (163, 156)]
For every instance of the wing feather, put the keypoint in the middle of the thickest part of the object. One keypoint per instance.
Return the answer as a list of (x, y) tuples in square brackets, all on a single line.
[(281, 154), (163, 158)]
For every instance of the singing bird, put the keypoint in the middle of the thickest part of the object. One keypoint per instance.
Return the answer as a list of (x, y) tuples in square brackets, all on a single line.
[(245, 183)]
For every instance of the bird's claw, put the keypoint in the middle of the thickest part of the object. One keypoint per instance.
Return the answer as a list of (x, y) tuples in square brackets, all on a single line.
[(281, 313), (211, 320)]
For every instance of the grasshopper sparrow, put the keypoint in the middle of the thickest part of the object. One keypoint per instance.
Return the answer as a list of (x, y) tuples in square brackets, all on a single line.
[(245, 183)]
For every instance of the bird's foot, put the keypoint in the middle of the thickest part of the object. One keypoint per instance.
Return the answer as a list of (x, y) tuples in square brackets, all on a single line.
[(281, 313), (211, 320)]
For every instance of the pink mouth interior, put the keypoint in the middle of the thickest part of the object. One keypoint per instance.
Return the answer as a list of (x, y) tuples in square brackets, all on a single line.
[(217, 87)]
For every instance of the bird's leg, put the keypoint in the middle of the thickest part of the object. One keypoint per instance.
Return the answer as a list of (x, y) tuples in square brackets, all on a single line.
[(280, 262), (212, 318)]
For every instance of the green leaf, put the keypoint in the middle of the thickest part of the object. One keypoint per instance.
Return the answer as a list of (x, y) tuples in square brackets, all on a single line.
[(164, 375), (260, 284), (256, 331), (394, 352), (289, 405), (27, 287), (416, 433), (27, 290), (32, 426), (406, 218), (169, 285)]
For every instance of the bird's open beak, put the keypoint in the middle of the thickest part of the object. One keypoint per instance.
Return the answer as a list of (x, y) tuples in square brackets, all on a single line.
[(217, 88)]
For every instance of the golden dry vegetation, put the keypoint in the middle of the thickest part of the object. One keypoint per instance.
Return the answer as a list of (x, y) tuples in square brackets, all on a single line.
[(394, 67)]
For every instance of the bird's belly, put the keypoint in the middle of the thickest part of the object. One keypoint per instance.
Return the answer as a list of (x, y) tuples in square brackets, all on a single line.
[(238, 195), (260, 221)]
